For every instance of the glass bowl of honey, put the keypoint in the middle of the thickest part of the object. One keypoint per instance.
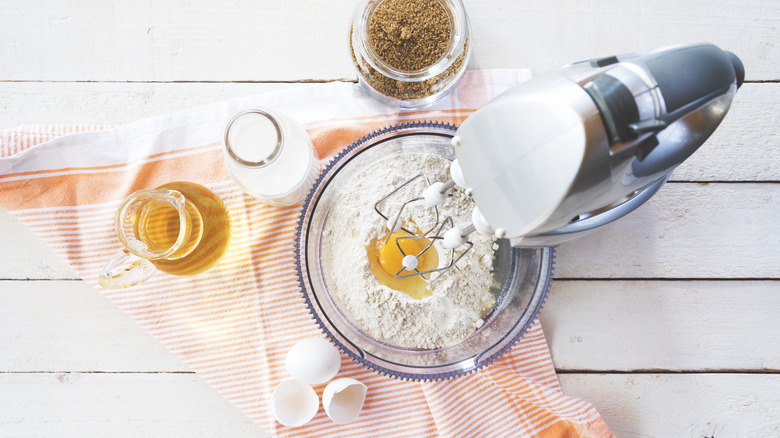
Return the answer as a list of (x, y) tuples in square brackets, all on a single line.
[(520, 276)]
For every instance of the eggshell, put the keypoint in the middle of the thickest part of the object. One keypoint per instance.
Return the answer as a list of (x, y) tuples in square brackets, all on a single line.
[(294, 403), (343, 399), (313, 361)]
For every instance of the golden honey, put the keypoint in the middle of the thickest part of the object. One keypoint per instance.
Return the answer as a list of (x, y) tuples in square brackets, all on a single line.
[(159, 226)]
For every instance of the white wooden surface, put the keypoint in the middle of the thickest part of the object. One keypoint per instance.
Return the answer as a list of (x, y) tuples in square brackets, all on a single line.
[(667, 320)]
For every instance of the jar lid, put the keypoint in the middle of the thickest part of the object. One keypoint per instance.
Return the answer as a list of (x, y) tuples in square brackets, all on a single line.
[(253, 138)]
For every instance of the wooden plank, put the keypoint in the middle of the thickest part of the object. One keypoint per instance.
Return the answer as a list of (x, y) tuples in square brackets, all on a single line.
[(304, 39), (685, 231), (546, 35), (633, 405), (742, 149), (45, 40), (176, 40), (112, 103), (676, 405), (590, 325), (24, 255), (116, 405), (663, 325), (69, 326)]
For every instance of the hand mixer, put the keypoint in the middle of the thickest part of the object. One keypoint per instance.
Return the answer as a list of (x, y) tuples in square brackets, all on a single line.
[(572, 150)]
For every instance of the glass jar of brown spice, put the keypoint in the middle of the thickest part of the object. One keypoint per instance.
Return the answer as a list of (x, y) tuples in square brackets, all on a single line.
[(410, 53)]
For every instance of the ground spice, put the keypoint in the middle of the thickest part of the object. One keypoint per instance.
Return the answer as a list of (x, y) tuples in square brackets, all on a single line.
[(409, 35)]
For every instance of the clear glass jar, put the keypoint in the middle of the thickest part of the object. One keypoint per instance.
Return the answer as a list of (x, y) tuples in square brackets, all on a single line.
[(410, 89), (270, 156)]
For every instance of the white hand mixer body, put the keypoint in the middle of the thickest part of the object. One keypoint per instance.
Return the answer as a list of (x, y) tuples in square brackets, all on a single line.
[(569, 151)]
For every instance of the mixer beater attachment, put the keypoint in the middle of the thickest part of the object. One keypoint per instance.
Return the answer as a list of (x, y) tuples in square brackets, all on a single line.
[(410, 260), (394, 221), (432, 197)]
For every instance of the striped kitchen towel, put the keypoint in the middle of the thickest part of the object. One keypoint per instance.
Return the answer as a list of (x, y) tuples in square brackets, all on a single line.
[(234, 323)]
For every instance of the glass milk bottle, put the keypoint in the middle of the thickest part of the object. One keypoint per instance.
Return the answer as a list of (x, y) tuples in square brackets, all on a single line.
[(270, 156)]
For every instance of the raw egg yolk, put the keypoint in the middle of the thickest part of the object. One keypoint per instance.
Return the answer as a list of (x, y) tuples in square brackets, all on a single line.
[(386, 260)]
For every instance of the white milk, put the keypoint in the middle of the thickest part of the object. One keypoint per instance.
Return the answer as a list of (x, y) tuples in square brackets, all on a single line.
[(270, 156)]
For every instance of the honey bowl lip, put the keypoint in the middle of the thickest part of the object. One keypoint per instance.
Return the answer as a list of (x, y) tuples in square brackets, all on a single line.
[(460, 31)]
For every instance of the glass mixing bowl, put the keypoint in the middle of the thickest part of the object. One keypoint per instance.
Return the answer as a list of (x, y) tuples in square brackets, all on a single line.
[(521, 276)]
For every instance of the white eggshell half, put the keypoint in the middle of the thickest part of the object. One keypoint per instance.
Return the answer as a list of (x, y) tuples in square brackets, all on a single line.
[(313, 361), (343, 399), (294, 403)]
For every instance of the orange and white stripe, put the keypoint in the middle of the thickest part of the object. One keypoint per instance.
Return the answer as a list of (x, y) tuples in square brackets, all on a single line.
[(234, 323)]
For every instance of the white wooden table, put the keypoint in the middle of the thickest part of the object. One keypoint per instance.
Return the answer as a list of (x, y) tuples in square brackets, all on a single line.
[(668, 320)]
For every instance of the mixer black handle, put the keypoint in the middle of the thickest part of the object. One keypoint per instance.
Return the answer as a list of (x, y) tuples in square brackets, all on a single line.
[(692, 75), (697, 84)]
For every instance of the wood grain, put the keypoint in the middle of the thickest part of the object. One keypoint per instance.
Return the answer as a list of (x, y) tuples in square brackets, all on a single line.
[(744, 148), (663, 325), (547, 35), (686, 230), (266, 40), (113, 103), (68, 326), (74, 365), (120, 405), (745, 145), (26, 256), (682, 405), (590, 325), (116, 405)]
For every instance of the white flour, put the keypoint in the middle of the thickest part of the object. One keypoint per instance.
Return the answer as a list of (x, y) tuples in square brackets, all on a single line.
[(459, 299)]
